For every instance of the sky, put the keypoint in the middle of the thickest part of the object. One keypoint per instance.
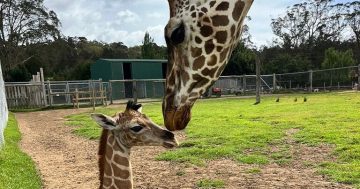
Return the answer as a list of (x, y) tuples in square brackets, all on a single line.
[(128, 20)]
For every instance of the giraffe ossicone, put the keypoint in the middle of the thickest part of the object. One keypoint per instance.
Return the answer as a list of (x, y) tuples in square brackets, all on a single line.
[(120, 133), (200, 36)]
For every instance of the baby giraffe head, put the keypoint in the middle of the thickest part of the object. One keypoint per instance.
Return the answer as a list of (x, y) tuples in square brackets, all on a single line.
[(133, 128)]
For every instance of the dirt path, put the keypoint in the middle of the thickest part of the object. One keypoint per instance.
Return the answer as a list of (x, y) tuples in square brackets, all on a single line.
[(67, 161)]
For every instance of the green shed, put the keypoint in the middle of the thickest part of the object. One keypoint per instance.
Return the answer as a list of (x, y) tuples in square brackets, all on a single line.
[(131, 69)]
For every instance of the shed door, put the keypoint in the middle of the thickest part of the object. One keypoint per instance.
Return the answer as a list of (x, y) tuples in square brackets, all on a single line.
[(128, 76)]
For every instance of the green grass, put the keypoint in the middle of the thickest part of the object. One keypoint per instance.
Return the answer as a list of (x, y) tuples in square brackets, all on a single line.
[(17, 170), (207, 183), (253, 171), (236, 129)]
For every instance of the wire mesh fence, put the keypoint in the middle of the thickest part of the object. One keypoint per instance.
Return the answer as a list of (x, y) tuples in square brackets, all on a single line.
[(345, 78), (52, 93)]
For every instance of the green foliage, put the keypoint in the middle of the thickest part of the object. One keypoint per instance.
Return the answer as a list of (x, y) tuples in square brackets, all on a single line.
[(285, 63), (17, 170), (207, 183), (19, 73), (242, 61), (235, 129), (150, 50), (335, 59), (23, 23)]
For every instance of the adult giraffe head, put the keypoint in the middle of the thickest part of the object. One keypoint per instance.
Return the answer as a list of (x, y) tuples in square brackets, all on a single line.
[(200, 36)]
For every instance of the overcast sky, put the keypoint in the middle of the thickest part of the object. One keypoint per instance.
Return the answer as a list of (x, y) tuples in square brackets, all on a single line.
[(127, 20)]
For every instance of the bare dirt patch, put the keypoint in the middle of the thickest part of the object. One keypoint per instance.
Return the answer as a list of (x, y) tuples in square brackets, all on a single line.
[(68, 161)]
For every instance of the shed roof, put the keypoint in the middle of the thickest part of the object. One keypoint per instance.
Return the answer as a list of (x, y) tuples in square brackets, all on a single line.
[(135, 60)]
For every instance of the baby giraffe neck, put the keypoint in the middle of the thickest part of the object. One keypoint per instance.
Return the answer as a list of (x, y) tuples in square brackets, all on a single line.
[(117, 165)]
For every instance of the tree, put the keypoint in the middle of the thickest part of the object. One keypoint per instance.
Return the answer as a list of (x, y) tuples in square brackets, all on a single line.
[(147, 49), (335, 59), (307, 23), (24, 22), (242, 61), (352, 18), (150, 50)]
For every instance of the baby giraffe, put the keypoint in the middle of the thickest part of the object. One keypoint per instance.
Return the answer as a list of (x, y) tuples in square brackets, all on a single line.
[(120, 133)]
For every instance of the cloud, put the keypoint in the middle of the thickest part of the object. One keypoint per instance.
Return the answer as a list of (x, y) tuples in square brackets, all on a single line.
[(128, 17), (128, 20)]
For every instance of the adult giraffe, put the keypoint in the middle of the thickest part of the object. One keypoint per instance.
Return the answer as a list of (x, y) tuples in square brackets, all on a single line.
[(200, 36)]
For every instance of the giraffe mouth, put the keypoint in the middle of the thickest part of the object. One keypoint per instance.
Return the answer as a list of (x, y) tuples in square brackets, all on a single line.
[(177, 119), (170, 144)]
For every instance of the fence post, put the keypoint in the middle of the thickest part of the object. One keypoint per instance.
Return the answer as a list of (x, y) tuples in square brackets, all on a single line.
[(110, 91), (274, 82), (134, 91), (358, 86), (244, 84), (49, 93), (67, 91), (43, 86), (154, 92), (311, 80), (258, 80), (102, 94), (93, 95), (76, 98), (290, 85)]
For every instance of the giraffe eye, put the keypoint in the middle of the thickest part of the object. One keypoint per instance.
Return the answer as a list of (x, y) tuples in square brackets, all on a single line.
[(136, 128), (178, 35)]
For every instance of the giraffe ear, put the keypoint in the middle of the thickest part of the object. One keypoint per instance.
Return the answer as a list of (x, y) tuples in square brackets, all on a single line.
[(104, 121)]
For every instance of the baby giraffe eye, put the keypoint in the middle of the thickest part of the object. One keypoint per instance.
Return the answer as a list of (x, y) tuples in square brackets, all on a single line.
[(136, 128)]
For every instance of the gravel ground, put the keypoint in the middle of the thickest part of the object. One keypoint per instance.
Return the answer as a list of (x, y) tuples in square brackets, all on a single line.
[(66, 161)]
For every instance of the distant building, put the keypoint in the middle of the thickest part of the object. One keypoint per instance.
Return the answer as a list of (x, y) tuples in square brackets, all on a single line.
[(130, 69)]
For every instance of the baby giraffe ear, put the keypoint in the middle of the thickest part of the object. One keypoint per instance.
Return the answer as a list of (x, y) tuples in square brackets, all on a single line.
[(104, 121)]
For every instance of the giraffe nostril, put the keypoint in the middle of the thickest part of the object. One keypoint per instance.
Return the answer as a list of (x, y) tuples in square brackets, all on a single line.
[(168, 135)]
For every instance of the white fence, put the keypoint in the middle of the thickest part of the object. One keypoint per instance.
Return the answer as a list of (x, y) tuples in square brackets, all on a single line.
[(3, 109)]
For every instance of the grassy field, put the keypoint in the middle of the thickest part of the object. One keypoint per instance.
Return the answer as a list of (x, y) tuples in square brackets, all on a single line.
[(17, 170), (236, 129)]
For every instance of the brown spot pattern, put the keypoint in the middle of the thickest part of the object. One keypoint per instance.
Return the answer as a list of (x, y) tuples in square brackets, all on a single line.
[(220, 20), (198, 40), (232, 30), (206, 31), (208, 72), (199, 63), (107, 182), (238, 9), (221, 36), (223, 6), (223, 54), (118, 172), (123, 184), (209, 47), (107, 169), (109, 152), (185, 77), (117, 147), (121, 160), (196, 52), (212, 61)]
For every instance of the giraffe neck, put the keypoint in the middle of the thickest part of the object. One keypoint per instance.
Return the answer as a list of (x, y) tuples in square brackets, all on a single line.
[(117, 165)]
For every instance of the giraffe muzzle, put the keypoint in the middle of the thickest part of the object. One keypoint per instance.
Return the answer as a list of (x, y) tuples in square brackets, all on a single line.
[(177, 118)]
